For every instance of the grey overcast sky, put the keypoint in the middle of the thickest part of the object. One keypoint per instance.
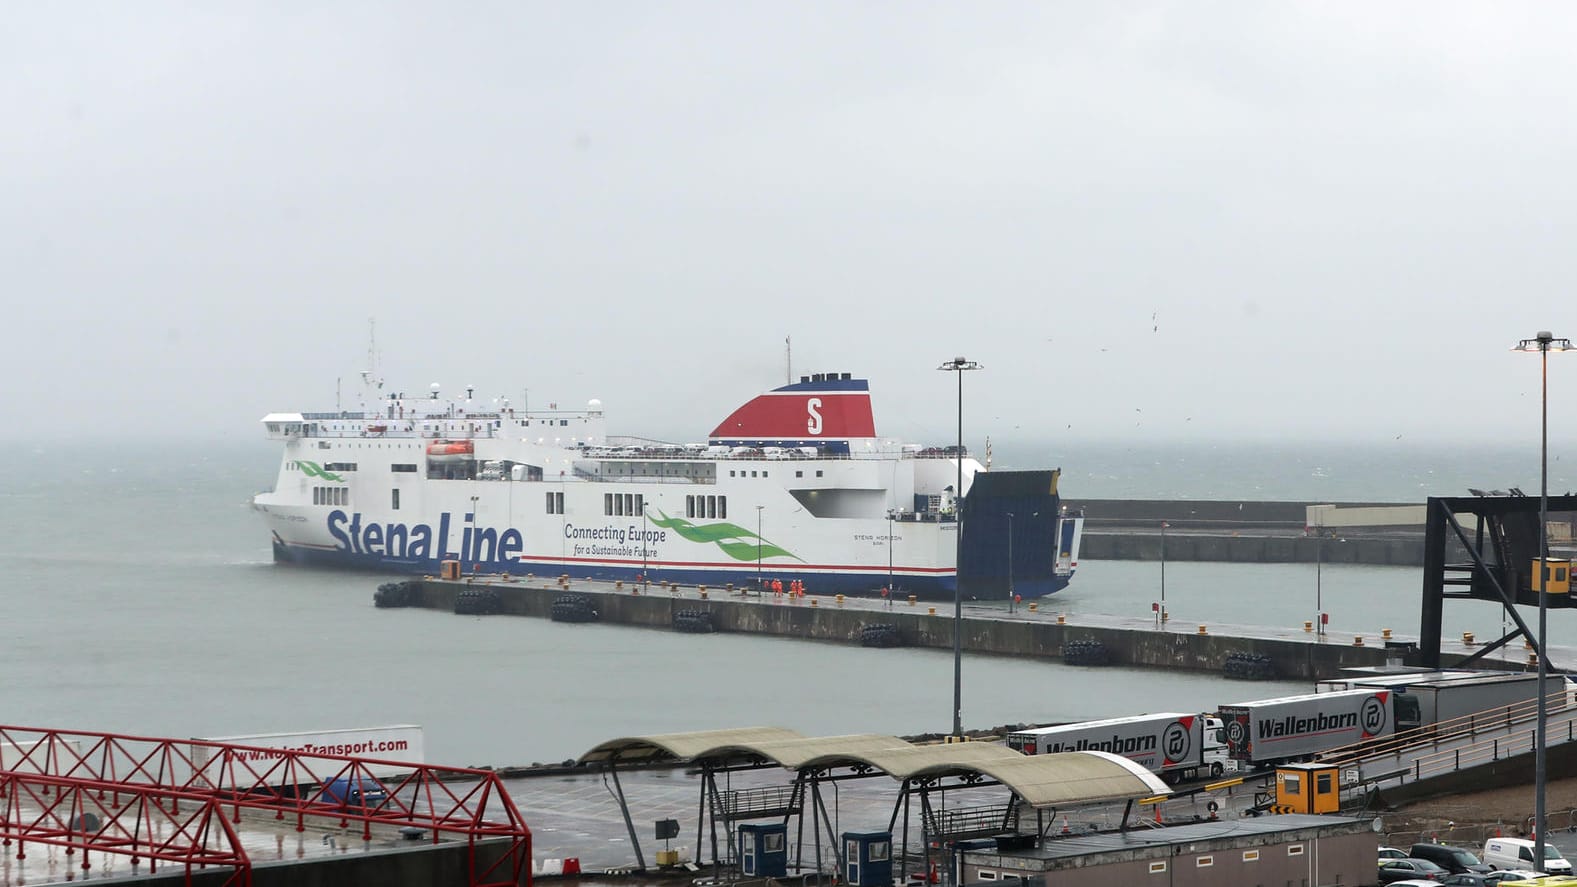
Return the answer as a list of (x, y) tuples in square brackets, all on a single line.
[(1197, 221)]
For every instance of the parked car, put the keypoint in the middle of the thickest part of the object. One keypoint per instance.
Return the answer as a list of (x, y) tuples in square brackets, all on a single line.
[(1453, 859), (1476, 879), (1392, 853), (1392, 870)]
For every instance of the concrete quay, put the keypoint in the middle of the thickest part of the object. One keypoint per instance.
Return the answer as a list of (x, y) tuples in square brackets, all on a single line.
[(1033, 631)]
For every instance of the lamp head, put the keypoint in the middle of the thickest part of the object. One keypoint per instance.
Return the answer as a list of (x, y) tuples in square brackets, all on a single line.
[(1544, 340)]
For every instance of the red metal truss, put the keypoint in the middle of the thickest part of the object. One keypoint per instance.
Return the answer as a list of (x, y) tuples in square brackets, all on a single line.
[(86, 815), (443, 800)]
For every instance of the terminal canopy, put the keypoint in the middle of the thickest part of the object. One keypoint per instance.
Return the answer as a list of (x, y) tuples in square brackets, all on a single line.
[(1041, 781)]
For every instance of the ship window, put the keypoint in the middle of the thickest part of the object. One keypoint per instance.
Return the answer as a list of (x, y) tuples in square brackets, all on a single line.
[(607, 503), (629, 503), (396, 499), (752, 474), (722, 507), (640, 504), (818, 472), (711, 507), (317, 499), (799, 474), (689, 506), (406, 467)]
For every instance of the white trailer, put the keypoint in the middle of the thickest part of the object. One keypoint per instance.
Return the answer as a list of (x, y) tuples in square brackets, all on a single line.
[(398, 744), (1289, 728), (1172, 744), (1428, 698)]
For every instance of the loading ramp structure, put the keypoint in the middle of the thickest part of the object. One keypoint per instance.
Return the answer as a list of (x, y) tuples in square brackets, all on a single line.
[(926, 774), (1494, 559), (164, 801)]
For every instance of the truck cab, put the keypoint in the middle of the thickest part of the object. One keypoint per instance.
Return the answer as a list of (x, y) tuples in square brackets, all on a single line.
[(1216, 761), (355, 792)]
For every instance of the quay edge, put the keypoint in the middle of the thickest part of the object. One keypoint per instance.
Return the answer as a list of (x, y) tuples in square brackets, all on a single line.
[(1034, 636)]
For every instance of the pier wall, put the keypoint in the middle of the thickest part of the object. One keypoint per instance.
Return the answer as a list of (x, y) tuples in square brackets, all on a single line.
[(1246, 547), (415, 866), (1039, 636)]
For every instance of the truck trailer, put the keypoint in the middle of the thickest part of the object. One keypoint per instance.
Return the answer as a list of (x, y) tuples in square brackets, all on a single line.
[(381, 749), (1269, 731), (1444, 697), (1174, 745)]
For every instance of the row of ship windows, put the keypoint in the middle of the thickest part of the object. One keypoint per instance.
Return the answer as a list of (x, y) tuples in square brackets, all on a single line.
[(555, 503), (741, 473), (619, 504), (331, 496), (715, 507)]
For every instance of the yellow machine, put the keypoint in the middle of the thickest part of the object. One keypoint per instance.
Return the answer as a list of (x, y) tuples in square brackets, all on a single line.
[(1307, 788), (1558, 572)]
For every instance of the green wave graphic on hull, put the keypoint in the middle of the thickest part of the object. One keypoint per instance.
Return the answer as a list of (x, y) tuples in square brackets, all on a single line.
[(735, 541), (313, 469)]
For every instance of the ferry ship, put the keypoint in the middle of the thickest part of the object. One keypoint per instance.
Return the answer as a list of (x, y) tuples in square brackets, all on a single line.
[(795, 487)]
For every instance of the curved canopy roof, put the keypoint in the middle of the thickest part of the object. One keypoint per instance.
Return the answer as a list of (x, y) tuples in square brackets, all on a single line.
[(684, 746), (1040, 780)]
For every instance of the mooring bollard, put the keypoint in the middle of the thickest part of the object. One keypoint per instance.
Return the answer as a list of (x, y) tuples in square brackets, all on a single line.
[(1308, 625), (930, 611), (1062, 619), (912, 599), (1203, 630), (1357, 640), (702, 592), (1033, 606), (813, 602), (1467, 638), (840, 600), (1385, 634)]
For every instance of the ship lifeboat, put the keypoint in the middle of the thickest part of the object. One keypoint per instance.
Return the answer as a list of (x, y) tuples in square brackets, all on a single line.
[(377, 429), (450, 450)]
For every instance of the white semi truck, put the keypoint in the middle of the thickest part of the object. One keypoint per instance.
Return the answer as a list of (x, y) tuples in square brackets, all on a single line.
[(1176, 746)]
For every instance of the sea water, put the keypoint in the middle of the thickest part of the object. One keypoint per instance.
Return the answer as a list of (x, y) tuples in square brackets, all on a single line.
[(138, 595)]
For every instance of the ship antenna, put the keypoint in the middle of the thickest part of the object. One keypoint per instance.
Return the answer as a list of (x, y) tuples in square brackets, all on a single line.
[(788, 361), (988, 452)]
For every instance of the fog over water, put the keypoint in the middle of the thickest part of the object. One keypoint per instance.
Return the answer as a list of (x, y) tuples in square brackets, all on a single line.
[(1150, 221)]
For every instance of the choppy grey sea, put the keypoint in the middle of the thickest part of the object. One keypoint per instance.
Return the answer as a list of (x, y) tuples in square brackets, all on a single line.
[(137, 595)]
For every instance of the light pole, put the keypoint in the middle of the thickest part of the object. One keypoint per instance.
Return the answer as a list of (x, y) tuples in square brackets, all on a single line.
[(891, 514), (1319, 564), (1010, 562), (1543, 343), (959, 365), (645, 583), (1162, 615), (758, 548)]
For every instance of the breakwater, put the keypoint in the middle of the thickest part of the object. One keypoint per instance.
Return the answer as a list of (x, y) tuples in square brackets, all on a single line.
[(1239, 532), (1026, 633)]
